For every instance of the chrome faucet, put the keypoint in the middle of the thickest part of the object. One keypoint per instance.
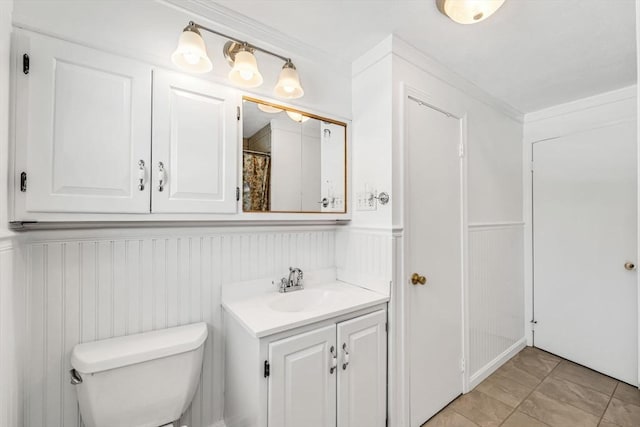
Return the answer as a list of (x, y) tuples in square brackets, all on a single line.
[(293, 283)]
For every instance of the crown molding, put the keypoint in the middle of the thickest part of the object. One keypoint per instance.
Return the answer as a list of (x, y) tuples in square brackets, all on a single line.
[(253, 31), (618, 95), (418, 58)]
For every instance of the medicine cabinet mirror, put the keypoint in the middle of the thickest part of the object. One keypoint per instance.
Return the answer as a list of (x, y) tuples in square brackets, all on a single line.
[(293, 161)]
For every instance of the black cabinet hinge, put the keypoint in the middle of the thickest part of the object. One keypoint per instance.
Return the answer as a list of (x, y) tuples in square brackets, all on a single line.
[(25, 63), (267, 369), (238, 113), (237, 194), (23, 182)]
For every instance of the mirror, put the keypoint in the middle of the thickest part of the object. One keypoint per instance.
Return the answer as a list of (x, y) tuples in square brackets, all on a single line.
[(292, 161)]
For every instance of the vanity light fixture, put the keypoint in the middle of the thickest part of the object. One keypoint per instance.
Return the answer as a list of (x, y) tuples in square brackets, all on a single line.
[(191, 55), (297, 117), (468, 11)]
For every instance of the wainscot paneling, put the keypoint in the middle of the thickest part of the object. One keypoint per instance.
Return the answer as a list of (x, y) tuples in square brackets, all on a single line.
[(11, 321), (364, 258), (87, 288), (495, 296)]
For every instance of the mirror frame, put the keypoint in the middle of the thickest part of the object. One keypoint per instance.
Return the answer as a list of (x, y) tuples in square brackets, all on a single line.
[(312, 116)]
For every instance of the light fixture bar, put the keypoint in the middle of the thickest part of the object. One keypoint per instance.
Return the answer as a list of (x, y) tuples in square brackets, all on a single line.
[(240, 42)]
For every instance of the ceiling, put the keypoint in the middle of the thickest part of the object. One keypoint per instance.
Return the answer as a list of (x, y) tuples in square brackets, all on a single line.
[(531, 54)]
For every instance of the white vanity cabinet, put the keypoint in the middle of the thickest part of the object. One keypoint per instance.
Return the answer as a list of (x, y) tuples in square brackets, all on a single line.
[(98, 134), (329, 374)]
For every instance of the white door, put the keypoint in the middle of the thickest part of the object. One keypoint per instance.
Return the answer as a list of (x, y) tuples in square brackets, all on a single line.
[(286, 174), (195, 145), (302, 383), (83, 127), (434, 251), (584, 210), (362, 371)]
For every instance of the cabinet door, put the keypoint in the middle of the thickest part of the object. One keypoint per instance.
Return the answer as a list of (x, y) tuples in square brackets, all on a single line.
[(302, 388), (362, 367), (83, 124), (195, 129)]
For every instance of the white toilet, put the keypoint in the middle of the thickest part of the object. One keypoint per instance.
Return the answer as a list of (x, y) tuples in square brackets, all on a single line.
[(142, 380)]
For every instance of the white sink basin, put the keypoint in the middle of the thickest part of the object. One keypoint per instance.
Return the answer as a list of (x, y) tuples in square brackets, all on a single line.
[(302, 300)]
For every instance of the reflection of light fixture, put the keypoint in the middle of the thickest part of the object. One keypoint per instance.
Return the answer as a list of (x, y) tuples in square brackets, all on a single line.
[(468, 11), (191, 55), (297, 117), (288, 85), (245, 69), (268, 109)]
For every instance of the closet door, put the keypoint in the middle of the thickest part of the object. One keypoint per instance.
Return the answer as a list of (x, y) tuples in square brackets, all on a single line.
[(362, 371), (302, 384), (195, 145), (83, 129)]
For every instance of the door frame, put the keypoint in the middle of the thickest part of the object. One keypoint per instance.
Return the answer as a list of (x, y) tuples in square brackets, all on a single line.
[(400, 293), (586, 114)]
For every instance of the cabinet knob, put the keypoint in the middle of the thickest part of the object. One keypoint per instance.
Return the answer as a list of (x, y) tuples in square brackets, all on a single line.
[(162, 176), (345, 356), (334, 360), (629, 266), (142, 174)]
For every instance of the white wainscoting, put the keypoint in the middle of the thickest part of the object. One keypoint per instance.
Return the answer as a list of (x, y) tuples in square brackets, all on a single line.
[(11, 321), (495, 296), (364, 257), (99, 284)]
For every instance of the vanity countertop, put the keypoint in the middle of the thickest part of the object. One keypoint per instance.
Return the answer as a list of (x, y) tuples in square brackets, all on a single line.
[(264, 311)]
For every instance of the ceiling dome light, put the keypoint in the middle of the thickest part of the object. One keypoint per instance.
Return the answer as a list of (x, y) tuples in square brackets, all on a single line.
[(269, 109), (288, 85), (297, 117), (245, 69), (191, 53), (468, 11)]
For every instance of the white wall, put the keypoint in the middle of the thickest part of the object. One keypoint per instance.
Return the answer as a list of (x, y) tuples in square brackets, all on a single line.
[(87, 285), (561, 120)]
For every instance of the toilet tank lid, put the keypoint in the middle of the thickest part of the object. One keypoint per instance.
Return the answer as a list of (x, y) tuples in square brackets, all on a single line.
[(97, 356)]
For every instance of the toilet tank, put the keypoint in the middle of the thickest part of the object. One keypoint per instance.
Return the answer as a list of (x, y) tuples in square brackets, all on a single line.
[(141, 380)]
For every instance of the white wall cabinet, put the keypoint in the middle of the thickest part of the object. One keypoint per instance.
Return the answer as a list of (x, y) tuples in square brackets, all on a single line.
[(83, 125), (86, 137), (333, 374), (194, 143)]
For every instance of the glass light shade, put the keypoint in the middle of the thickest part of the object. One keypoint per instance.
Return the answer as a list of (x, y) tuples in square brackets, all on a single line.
[(245, 70), (297, 117), (469, 11), (269, 109), (191, 54), (288, 85)]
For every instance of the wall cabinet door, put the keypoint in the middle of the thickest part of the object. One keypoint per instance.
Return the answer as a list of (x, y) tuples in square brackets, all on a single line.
[(362, 367), (302, 384), (83, 124), (195, 146)]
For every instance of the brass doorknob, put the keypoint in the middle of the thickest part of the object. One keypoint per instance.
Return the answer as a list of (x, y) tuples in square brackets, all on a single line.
[(416, 278), (629, 266)]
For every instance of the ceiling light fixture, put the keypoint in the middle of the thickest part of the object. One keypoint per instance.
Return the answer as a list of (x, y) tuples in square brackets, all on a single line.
[(191, 55), (468, 11)]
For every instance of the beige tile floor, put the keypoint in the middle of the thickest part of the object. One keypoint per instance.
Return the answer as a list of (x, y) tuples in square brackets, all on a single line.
[(538, 389)]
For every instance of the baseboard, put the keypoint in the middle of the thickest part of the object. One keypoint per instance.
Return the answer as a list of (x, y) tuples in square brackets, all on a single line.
[(492, 366)]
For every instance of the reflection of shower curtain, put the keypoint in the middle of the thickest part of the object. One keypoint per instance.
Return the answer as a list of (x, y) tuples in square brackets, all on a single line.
[(256, 177)]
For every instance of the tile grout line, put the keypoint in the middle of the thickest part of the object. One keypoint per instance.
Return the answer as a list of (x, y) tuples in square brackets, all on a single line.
[(527, 397), (608, 403)]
